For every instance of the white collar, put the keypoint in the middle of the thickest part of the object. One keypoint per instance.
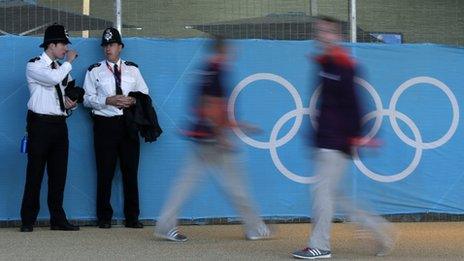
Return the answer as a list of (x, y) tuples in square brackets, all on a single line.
[(112, 64), (46, 58)]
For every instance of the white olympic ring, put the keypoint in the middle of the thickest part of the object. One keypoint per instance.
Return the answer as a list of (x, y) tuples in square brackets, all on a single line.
[(291, 89), (378, 114), (454, 105), (412, 166)]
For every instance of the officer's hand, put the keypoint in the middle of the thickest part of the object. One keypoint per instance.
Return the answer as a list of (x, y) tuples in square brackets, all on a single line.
[(71, 55), (127, 101), (119, 101), (68, 103), (131, 101)]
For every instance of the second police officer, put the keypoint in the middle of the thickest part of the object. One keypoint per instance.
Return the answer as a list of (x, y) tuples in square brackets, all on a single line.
[(107, 85)]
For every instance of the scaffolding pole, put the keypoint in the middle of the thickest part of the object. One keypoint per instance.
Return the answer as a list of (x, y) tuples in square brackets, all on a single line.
[(85, 11), (353, 19), (118, 15), (313, 7)]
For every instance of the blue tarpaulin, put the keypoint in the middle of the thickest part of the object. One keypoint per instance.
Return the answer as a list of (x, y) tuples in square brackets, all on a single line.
[(411, 96)]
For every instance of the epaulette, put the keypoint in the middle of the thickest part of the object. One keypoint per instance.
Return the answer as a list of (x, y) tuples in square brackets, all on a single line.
[(93, 66), (131, 64), (33, 60)]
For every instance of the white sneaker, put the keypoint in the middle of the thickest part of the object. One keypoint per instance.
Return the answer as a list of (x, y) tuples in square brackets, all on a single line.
[(312, 253), (263, 232), (385, 247), (172, 235)]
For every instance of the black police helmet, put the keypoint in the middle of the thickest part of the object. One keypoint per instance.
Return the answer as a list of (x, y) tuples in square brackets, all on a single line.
[(55, 33), (111, 35)]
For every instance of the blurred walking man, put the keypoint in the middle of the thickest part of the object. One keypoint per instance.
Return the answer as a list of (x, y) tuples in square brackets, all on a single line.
[(212, 149), (338, 132)]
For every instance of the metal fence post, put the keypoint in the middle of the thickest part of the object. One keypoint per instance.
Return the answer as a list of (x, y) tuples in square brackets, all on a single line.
[(353, 19), (313, 7), (118, 15)]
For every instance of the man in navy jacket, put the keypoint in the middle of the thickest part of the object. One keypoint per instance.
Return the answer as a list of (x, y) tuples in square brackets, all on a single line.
[(338, 132)]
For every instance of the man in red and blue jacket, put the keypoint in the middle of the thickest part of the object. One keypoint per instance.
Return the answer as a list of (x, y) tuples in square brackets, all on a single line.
[(212, 150), (338, 132), (339, 121)]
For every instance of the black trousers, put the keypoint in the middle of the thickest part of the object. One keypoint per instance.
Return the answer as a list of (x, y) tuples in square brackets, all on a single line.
[(112, 142), (47, 147)]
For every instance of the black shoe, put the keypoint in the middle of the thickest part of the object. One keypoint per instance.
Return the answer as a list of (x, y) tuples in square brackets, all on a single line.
[(134, 224), (104, 225), (66, 226), (26, 228)]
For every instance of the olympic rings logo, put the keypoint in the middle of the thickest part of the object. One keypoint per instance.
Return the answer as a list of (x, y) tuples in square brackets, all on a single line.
[(378, 115)]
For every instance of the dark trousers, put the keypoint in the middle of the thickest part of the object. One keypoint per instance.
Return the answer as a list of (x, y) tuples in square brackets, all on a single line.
[(47, 146), (112, 142)]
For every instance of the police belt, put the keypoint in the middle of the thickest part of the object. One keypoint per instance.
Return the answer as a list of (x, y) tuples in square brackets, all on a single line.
[(107, 118), (45, 117)]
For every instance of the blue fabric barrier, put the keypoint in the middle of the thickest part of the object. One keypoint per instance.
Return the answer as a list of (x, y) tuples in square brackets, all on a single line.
[(411, 96)]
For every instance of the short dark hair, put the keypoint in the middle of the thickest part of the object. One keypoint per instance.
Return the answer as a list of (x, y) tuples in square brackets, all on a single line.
[(327, 19), (53, 42), (218, 42)]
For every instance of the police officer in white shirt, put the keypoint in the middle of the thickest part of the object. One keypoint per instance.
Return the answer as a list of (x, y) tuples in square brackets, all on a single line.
[(47, 129), (107, 85)]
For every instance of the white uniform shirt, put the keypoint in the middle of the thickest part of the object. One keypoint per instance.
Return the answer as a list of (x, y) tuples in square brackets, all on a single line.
[(41, 79), (100, 83)]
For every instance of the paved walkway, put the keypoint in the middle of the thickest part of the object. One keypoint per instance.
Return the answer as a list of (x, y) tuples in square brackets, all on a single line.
[(416, 241)]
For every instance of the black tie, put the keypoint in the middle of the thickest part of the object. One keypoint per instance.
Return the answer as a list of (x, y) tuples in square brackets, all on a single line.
[(58, 91), (117, 79)]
